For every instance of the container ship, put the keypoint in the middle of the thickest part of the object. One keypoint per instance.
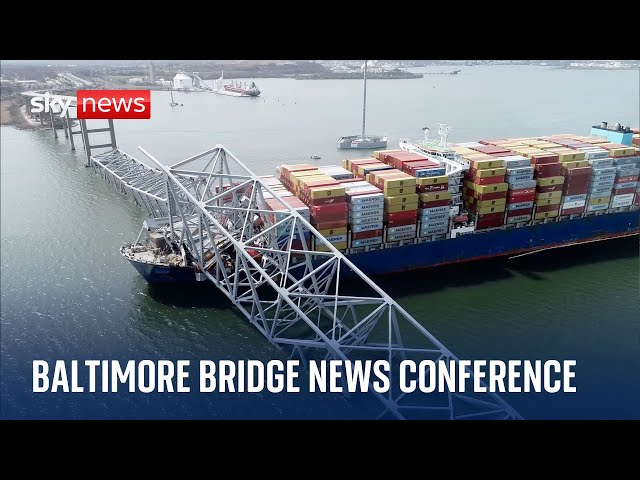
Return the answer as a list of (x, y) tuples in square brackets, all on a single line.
[(431, 203)]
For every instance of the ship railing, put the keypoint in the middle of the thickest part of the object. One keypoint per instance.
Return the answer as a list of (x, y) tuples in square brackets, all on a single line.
[(294, 295)]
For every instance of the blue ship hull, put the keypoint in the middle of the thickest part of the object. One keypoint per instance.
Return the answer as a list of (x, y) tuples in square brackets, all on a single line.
[(465, 248)]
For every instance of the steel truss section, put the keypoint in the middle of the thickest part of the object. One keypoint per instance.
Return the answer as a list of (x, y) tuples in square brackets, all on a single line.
[(291, 292)]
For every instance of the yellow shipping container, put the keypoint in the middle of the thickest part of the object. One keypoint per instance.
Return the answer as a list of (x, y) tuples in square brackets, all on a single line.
[(462, 150), (546, 181), (477, 156), (491, 172), (599, 201), (542, 215), (484, 164), (547, 195), (333, 231), (549, 201), (433, 196), (371, 167), (394, 192), (491, 203), (345, 164), (406, 182), (490, 209), (621, 152), (302, 181), (580, 163), (377, 153), (326, 192), (596, 140), (404, 207), (339, 246), (400, 199), (571, 156), (433, 180), (494, 187)]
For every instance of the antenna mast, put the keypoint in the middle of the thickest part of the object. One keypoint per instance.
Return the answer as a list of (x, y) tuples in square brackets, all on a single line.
[(364, 101), (443, 130)]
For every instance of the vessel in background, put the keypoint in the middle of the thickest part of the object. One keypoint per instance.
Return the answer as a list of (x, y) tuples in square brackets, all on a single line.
[(363, 141), (235, 89)]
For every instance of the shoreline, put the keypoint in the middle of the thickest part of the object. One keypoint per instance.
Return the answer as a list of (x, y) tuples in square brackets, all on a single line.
[(13, 113)]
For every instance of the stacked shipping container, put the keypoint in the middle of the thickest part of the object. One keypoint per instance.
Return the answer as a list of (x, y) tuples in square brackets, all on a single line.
[(325, 197), (485, 191)]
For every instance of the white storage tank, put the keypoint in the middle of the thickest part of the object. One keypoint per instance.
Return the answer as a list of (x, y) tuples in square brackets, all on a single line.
[(182, 81)]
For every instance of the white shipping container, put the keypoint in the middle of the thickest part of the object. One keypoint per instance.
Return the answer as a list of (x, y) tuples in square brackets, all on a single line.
[(401, 236), (362, 207), (595, 208), (366, 241), (336, 238), (367, 227), (424, 211), (576, 204), (379, 212), (368, 198), (593, 154), (622, 200), (519, 218), (366, 220), (575, 198), (401, 229)]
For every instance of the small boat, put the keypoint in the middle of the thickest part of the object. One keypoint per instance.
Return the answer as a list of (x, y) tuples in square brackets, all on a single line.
[(315, 157), (367, 142)]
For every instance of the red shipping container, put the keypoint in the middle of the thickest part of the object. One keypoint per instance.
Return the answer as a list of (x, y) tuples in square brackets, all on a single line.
[(579, 180), (369, 234), (521, 191), (549, 188), (424, 161), (395, 159), (572, 211), (490, 195), (547, 208), (327, 201), (432, 188), (576, 171), (629, 178), (623, 191), (327, 213), (529, 197), (543, 159), (491, 216), (489, 149), (407, 215), (493, 142), (575, 190), (548, 170), (368, 191), (480, 224), (434, 203), (319, 183), (520, 211), (329, 225), (400, 223), (488, 180)]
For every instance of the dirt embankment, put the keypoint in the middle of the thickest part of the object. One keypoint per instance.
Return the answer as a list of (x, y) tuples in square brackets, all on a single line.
[(12, 113)]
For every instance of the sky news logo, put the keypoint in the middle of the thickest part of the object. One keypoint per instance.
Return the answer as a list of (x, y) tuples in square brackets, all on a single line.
[(99, 104)]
